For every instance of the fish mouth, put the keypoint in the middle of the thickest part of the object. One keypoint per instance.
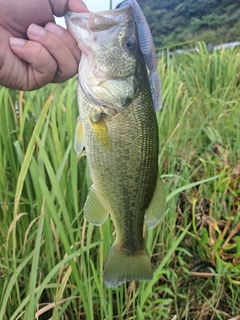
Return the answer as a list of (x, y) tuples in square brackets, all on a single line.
[(96, 33), (100, 20), (83, 25)]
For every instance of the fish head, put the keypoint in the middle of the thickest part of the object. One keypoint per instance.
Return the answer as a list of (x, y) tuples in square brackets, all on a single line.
[(111, 62)]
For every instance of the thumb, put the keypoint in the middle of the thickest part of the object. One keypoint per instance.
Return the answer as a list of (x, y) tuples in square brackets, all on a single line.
[(59, 7)]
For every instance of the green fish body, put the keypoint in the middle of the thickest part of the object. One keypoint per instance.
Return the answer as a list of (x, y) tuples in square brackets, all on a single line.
[(120, 135)]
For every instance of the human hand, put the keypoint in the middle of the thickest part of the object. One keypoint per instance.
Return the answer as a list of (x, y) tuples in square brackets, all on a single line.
[(34, 51)]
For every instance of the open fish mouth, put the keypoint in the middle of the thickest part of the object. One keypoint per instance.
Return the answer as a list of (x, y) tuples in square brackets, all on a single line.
[(104, 24), (101, 37)]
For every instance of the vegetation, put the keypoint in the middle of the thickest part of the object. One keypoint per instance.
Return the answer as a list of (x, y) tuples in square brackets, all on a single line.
[(51, 259), (178, 21)]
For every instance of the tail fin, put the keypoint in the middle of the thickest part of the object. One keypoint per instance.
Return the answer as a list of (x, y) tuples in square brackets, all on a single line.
[(121, 266)]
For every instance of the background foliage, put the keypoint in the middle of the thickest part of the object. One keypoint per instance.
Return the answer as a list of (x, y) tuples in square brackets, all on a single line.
[(178, 21), (51, 259)]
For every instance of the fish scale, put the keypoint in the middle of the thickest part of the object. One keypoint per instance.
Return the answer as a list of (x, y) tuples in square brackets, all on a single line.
[(118, 128), (129, 166)]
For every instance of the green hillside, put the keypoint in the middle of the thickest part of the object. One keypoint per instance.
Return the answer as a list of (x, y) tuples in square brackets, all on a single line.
[(177, 21)]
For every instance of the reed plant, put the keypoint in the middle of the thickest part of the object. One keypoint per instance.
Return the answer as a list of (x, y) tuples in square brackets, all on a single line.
[(51, 258)]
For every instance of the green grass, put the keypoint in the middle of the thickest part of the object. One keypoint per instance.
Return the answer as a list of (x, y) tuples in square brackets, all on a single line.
[(51, 259)]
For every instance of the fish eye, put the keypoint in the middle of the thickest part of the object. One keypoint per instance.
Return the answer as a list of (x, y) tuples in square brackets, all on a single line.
[(130, 44)]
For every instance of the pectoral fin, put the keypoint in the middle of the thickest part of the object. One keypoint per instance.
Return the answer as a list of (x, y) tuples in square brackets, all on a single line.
[(156, 209), (100, 130), (78, 141), (94, 211)]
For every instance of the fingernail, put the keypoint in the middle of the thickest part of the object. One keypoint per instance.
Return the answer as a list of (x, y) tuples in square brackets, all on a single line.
[(36, 30), (54, 28), (16, 42)]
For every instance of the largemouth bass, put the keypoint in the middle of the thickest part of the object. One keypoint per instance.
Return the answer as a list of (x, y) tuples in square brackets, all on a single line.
[(118, 128)]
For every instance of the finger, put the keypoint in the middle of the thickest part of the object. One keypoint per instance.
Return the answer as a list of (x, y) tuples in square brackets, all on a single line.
[(6, 58), (77, 6), (37, 67), (59, 7), (66, 37), (16, 16), (59, 45)]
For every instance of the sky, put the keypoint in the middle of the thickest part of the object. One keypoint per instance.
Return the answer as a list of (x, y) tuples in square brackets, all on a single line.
[(96, 5), (93, 5)]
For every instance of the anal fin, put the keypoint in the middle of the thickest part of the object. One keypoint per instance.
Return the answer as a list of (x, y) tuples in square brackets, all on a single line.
[(94, 211), (156, 209)]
